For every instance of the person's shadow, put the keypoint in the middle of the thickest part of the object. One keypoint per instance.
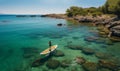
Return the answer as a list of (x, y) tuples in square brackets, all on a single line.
[(41, 61)]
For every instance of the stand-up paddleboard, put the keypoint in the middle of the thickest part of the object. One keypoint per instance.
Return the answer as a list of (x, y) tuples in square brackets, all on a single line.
[(47, 51)]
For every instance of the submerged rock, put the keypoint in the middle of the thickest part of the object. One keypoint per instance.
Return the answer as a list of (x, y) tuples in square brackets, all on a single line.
[(37, 63), (65, 63), (104, 69), (75, 37), (101, 41), (58, 53), (40, 61), (91, 39), (109, 42), (90, 66), (53, 64), (102, 55), (75, 47), (29, 52), (108, 64), (88, 51), (80, 60)]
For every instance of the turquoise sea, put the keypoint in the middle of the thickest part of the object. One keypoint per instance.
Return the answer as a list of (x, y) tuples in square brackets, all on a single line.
[(23, 38)]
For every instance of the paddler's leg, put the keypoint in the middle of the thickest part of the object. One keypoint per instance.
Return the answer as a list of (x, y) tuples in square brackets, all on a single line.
[(50, 44)]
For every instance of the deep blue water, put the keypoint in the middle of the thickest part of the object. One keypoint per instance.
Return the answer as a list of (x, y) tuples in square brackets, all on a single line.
[(18, 34)]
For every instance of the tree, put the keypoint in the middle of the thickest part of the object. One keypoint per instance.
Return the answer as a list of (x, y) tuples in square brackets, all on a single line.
[(117, 9), (74, 10)]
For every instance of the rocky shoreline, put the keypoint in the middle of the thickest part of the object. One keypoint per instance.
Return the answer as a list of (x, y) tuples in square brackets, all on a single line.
[(110, 23)]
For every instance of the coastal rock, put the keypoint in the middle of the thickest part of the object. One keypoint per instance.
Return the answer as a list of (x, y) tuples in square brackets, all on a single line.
[(114, 28), (53, 64), (90, 66), (115, 31), (114, 39), (58, 53), (80, 60), (65, 63), (112, 24), (85, 19), (88, 51), (33, 15), (21, 15), (108, 64), (60, 24), (58, 16)]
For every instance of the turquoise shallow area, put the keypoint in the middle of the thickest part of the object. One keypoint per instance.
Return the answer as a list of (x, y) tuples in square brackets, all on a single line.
[(20, 33)]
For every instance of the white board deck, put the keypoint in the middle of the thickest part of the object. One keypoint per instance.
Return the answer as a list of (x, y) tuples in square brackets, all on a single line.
[(47, 51)]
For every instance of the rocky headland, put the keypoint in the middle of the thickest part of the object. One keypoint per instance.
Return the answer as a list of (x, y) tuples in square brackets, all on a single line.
[(108, 25)]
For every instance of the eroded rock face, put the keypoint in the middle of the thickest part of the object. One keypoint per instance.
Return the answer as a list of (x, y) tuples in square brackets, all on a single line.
[(90, 66), (53, 64), (114, 28), (88, 51), (108, 64)]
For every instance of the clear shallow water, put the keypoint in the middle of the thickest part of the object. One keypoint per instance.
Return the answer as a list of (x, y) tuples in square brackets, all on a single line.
[(18, 34)]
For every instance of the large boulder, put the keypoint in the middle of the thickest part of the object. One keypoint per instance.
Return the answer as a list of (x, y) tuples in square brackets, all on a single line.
[(58, 53), (90, 66), (114, 28), (115, 31), (112, 24), (88, 51), (53, 64)]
